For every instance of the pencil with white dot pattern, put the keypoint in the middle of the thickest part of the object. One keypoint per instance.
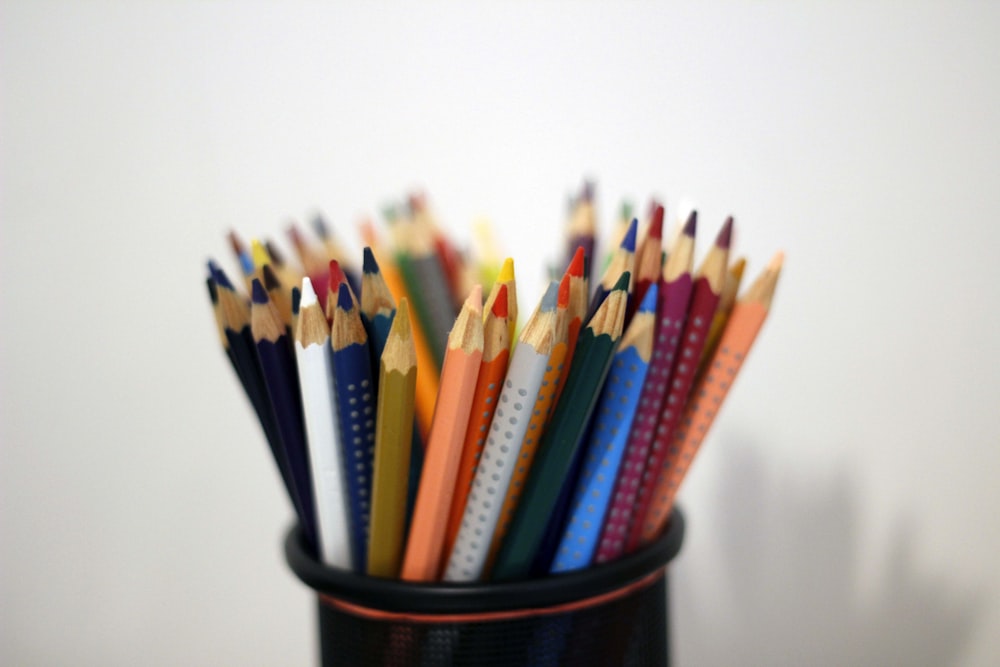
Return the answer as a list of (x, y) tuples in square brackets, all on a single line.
[(709, 393), (507, 430), (355, 398), (674, 297)]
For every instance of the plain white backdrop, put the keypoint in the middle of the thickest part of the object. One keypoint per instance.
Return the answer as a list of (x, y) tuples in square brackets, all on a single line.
[(843, 512)]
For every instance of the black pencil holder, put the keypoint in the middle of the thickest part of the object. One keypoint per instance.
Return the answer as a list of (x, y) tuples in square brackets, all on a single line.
[(606, 615)]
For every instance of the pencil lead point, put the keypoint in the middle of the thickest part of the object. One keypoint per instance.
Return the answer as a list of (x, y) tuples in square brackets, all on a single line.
[(500, 304), (622, 282), (626, 213), (270, 279), (656, 224), (259, 253), (628, 243), (296, 300), (691, 226), (344, 298), (222, 279), (401, 322), (259, 293), (475, 300), (320, 227), (368, 264), (777, 261), (725, 236), (552, 296), (308, 294), (648, 304), (506, 271), (563, 299), (576, 265), (336, 276)]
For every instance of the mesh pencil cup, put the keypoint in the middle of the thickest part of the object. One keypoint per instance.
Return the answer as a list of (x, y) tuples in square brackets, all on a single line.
[(607, 615)]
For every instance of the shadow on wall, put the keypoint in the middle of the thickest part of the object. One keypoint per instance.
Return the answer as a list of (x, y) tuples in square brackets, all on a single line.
[(788, 565)]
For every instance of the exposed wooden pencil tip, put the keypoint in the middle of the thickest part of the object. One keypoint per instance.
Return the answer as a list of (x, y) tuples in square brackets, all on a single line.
[(628, 243), (368, 264), (258, 293), (576, 266), (506, 271), (500, 304), (725, 235), (691, 226), (777, 261), (308, 294), (475, 299), (656, 224)]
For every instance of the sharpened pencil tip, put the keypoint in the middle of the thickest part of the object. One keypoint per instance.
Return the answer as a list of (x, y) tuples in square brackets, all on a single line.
[(296, 300), (336, 276), (222, 279), (725, 236), (648, 304), (271, 281), (259, 253), (320, 227), (563, 299), (506, 271), (551, 298), (308, 294), (272, 250), (622, 282), (246, 264), (259, 294), (401, 321), (656, 224), (500, 304), (213, 292), (628, 243), (368, 264), (691, 226), (344, 299), (576, 266), (777, 261), (475, 300)]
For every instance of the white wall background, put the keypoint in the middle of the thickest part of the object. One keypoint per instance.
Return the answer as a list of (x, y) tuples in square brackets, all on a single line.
[(842, 513)]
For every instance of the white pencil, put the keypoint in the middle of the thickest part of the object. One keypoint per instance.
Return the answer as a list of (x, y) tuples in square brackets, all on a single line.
[(507, 431), (313, 357)]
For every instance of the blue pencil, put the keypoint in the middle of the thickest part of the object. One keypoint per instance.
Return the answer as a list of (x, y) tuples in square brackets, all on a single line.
[(615, 411), (355, 400)]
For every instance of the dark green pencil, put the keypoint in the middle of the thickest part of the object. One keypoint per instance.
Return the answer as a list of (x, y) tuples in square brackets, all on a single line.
[(563, 435)]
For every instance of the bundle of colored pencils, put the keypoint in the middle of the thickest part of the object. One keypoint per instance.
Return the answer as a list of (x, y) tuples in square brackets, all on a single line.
[(419, 438)]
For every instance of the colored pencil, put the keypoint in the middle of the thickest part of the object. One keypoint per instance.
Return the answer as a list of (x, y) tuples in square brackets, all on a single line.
[(674, 297), (355, 400), (243, 256), (506, 278), (277, 364), (622, 262), (576, 310), (563, 435), (618, 232), (425, 543), (496, 354), (315, 366), (748, 316), (648, 259), (393, 441), (704, 301), (582, 228), (508, 431), (614, 414), (730, 289), (278, 294), (545, 398), (335, 250)]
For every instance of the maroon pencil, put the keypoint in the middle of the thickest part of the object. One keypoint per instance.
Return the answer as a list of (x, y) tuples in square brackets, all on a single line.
[(648, 262), (704, 300), (674, 296)]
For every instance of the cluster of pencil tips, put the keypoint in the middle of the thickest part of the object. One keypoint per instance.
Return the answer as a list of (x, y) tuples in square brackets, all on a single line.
[(421, 437)]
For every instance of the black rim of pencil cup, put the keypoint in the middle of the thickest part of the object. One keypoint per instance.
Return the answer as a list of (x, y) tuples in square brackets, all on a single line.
[(532, 594)]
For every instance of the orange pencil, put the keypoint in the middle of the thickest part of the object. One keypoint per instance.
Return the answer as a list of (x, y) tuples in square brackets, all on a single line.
[(708, 394), (463, 356), (496, 355), (506, 277)]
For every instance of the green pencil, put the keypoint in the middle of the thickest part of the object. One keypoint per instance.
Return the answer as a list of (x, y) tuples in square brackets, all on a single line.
[(562, 437)]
